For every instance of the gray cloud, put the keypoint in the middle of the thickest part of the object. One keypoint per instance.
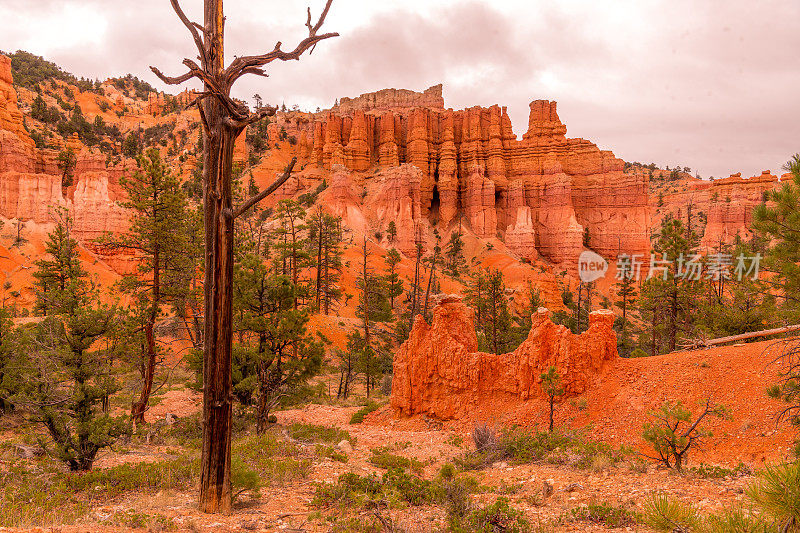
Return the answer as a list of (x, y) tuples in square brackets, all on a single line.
[(711, 85)]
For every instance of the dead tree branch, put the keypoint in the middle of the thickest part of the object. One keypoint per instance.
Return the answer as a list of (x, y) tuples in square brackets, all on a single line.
[(266, 192)]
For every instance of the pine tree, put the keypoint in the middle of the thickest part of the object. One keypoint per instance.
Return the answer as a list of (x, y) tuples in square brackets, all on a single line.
[(8, 348), (325, 238), (499, 320), (373, 306), (187, 302), (673, 287), (626, 292), (777, 222), (394, 284), (66, 164), (291, 240), (58, 278), (454, 251), (392, 230), (284, 352), (475, 297), (524, 323), (62, 373), (157, 235), (415, 287), (494, 323), (432, 262), (737, 304), (553, 388)]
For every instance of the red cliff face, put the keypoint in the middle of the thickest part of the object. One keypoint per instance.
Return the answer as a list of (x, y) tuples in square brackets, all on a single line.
[(438, 370), (31, 183), (542, 191), (727, 203)]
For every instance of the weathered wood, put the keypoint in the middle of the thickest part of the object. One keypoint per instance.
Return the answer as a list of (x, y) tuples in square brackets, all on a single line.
[(223, 120), (752, 335)]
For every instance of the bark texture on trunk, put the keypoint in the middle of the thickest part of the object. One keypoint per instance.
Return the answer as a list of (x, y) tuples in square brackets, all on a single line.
[(223, 121)]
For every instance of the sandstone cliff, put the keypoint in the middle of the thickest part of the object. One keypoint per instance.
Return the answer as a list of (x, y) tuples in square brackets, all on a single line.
[(438, 370), (31, 183), (544, 191), (727, 204)]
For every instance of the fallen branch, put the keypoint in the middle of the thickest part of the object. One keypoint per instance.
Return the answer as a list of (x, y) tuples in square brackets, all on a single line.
[(702, 343)]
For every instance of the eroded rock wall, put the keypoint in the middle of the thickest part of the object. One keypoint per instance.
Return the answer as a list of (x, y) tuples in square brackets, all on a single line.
[(31, 182), (544, 189), (439, 371)]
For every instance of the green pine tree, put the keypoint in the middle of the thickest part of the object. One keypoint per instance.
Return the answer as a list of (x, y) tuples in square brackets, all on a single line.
[(274, 332), (158, 237), (62, 370), (394, 284), (58, 278)]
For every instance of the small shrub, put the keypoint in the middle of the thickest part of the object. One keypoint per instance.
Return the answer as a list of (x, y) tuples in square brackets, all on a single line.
[(349, 490), (272, 458), (448, 471), (523, 446), (719, 472), (316, 433), (359, 415), (485, 438), (603, 513), (143, 477), (332, 453), (499, 516), (666, 516), (243, 479), (457, 441), (391, 461)]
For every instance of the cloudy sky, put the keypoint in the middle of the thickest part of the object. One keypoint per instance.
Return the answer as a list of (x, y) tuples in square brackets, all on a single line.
[(710, 84)]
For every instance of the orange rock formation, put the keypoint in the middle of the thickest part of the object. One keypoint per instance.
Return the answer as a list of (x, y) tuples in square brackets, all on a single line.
[(728, 204), (31, 183), (543, 191), (438, 370)]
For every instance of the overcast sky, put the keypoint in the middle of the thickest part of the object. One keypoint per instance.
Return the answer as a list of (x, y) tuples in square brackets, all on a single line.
[(710, 84)]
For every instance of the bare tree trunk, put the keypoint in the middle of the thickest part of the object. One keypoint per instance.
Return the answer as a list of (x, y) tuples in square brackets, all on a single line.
[(430, 279), (139, 407), (223, 120)]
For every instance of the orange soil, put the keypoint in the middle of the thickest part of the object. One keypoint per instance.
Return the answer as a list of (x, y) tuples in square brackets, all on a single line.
[(615, 408)]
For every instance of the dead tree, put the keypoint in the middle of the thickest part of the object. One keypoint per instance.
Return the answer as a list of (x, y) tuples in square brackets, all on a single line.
[(223, 121)]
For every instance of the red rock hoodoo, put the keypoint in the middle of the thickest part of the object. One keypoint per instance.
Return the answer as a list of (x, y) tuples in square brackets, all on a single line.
[(30, 181), (543, 191), (438, 370)]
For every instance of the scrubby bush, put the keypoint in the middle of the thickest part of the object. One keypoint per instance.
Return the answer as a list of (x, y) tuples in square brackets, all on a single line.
[(318, 433), (389, 461), (666, 516), (603, 513), (777, 491), (359, 415), (672, 433), (520, 446), (499, 516)]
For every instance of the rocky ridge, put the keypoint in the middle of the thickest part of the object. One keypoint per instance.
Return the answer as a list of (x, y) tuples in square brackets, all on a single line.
[(545, 191), (31, 182), (439, 371)]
